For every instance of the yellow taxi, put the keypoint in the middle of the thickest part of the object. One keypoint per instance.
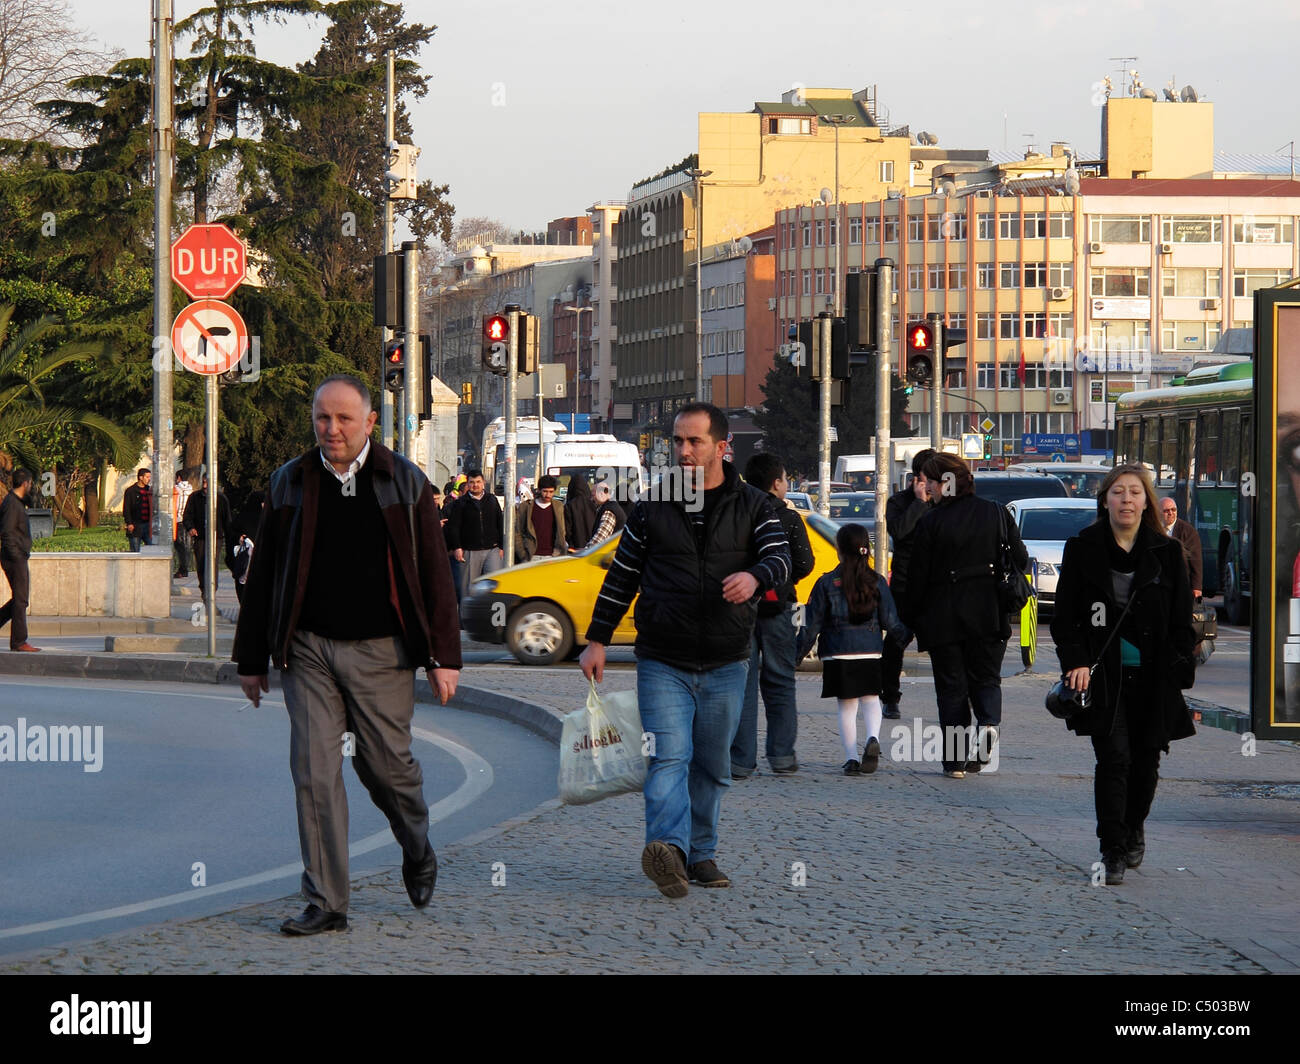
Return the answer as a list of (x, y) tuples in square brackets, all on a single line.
[(541, 609)]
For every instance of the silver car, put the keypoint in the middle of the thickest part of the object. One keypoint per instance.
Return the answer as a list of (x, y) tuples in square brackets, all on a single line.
[(1045, 524)]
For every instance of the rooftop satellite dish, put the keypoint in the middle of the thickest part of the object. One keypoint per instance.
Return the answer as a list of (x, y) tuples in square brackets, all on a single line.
[(745, 244), (1171, 96), (1072, 181), (1188, 95), (948, 188), (826, 195), (927, 138), (1149, 94)]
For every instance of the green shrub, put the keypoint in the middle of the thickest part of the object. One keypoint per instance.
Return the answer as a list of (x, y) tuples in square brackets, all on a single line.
[(90, 539)]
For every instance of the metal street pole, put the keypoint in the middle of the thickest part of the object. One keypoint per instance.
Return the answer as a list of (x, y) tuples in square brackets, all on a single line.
[(824, 426), (164, 477), (413, 384), (699, 176), (1105, 387), (512, 385), (390, 134), (884, 380), (210, 540), (837, 121), (936, 388)]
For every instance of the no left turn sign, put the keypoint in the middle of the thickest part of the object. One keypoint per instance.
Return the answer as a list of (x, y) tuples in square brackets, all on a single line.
[(209, 337)]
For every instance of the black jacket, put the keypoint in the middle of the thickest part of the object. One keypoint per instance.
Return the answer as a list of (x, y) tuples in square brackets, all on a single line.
[(1159, 624), (1191, 541), (951, 590), (196, 515), (15, 529), (903, 512), (780, 599), (474, 524)]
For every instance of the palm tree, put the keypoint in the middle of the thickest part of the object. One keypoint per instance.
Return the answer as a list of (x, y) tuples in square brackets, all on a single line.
[(23, 410)]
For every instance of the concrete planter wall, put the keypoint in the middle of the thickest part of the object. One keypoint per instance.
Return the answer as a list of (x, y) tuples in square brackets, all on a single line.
[(93, 584)]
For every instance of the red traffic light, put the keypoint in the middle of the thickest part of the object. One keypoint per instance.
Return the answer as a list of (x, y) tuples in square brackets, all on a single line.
[(496, 328), (394, 353), (920, 337)]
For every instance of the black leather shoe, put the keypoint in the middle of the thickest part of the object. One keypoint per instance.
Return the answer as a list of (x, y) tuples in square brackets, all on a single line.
[(891, 712), (1114, 862), (1136, 849), (313, 921), (419, 877)]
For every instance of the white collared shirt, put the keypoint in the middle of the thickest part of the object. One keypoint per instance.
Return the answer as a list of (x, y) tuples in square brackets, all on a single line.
[(353, 469)]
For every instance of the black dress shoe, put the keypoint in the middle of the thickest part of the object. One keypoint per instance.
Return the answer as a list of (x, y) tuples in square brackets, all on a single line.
[(1136, 848), (313, 921), (419, 877), (890, 711)]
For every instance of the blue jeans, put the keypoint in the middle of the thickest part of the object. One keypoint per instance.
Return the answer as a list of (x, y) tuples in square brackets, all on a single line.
[(773, 643), (693, 717), (143, 536)]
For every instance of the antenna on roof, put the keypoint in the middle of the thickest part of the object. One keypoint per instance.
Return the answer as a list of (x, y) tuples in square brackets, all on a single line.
[(1125, 71)]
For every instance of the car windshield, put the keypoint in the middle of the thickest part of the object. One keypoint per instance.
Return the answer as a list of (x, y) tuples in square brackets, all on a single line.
[(1012, 488), (1055, 524), (858, 504)]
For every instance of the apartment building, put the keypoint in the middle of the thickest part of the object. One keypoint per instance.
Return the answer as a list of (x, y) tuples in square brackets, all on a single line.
[(604, 216)]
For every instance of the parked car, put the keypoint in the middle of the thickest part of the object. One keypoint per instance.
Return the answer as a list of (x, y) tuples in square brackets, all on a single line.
[(800, 500), (1081, 479), (854, 507), (1045, 524), (1008, 486), (541, 609)]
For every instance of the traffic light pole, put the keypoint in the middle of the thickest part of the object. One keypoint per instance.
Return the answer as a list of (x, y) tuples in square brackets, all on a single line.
[(884, 382), (824, 433), (512, 396), (936, 384), (412, 386)]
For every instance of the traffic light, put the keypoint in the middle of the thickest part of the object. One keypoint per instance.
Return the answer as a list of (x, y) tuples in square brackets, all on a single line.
[(860, 309), (918, 352), (528, 332), (467, 393), (810, 340), (496, 339), (988, 445), (394, 365), (427, 367)]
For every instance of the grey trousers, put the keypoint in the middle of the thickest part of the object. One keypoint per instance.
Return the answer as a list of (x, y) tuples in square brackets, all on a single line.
[(366, 689), (478, 562)]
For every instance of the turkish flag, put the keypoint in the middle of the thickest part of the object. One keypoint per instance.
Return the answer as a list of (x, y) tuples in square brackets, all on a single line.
[(1020, 370)]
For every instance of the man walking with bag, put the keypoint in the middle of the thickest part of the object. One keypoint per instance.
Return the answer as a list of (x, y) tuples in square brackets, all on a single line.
[(700, 558), (349, 592)]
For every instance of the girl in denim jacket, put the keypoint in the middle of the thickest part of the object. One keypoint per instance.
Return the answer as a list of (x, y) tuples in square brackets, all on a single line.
[(847, 609)]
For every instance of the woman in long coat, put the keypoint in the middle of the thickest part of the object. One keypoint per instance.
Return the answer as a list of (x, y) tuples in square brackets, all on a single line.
[(1137, 706)]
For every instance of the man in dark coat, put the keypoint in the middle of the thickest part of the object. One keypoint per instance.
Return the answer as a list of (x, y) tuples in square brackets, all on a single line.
[(137, 511), (903, 512), (196, 527), (579, 512), (954, 608), (15, 549), (772, 660), (474, 532), (1180, 530)]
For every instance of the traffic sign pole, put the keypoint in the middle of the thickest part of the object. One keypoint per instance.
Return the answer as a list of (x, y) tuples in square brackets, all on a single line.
[(512, 396), (210, 541), (936, 385), (884, 381), (164, 476)]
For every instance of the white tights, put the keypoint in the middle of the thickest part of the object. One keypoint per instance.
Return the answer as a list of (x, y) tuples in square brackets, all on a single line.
[(849, 722)]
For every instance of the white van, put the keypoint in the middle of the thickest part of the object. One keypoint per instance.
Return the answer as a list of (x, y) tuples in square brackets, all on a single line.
[(596, 456)]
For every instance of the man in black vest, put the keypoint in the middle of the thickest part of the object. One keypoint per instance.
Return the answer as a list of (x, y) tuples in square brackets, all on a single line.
[(903, 512), (700, 548)]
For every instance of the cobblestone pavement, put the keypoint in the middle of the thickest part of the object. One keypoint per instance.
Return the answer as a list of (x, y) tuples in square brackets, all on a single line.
[(903, 871)]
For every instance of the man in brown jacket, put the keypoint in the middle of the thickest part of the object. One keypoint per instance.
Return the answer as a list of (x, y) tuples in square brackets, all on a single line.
[(349, 592), (539, 524)]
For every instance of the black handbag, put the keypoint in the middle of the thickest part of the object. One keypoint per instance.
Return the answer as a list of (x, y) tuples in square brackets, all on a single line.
[(1013, 587), (1062, 700)]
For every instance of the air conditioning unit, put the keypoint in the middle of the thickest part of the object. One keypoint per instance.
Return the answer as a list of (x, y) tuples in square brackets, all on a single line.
[(1094, 247), (1061, 397), (1058, 294), (1166, 249), (1210, 304)]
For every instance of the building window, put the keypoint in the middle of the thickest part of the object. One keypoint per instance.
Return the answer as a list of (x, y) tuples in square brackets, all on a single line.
[(953, 226), (915, 227), (1035, 275), (984, 275), (1009, 376), (886, 171), (789, 126), (1009, 275), (740, 293), (821, 282), (1035, 224), (915, 278), (985, 375), (891, 230), (855, 230), (1262, 230), (806, 229), (935, 275), (984, 226), (1008, 227), (957, 275), (1188, 335), (872, 231), (833, 236), (821, 232), (934, 227), (1120, 336), (1121, 281), (1060, 224), (806, 282), (1035, 324), (1062, 325), (1189, 282), (956, 321), (1120, 228), (1192, 229), (984, 327), (1009, 326), (1245, 282), (1060, 274), (956, 380)]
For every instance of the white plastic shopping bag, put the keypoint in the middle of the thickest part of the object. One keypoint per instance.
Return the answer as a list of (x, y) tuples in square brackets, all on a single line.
[(600, 749)]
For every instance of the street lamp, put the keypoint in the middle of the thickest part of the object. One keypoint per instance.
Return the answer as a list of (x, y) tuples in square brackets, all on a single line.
[(577, 359), (698, 176)]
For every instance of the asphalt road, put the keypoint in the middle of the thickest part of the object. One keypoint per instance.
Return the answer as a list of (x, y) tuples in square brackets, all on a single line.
[(194, 774)]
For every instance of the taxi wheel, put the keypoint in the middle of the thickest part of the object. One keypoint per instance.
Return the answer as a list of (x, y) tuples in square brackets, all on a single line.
[(539, 633)]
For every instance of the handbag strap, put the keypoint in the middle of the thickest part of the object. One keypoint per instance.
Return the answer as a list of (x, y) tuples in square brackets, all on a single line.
[(1115, 631)]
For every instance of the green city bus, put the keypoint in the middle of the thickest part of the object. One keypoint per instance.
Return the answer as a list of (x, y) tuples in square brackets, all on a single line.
[(1196, 437)]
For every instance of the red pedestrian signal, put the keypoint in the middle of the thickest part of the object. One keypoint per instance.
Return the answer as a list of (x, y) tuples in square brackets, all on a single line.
[(918, 353), (394, 365), (496, 329), (920, 337), (496, 336)]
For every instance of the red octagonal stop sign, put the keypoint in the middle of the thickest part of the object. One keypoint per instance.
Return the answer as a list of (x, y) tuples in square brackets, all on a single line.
[(208, 261)]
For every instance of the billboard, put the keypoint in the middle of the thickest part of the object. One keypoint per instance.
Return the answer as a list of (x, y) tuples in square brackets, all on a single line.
[(1275, 602)]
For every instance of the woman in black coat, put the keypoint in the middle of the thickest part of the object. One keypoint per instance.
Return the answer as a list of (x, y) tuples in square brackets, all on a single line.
[(579, 512), (953, 604), (1137, 705)]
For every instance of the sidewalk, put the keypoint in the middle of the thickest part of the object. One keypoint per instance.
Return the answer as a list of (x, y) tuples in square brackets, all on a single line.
[(903, 871)]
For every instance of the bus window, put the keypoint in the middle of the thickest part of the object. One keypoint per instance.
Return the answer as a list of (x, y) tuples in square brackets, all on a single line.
[(1186, 465), (1231, 449), (1151, 443), (1207, 447), (1168, 450), (1128, 439)]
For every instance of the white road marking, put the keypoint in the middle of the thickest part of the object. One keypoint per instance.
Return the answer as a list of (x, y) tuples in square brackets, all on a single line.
[(478, 780)]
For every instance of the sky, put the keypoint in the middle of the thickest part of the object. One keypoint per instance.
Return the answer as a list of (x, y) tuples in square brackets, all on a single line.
[(537, 110)]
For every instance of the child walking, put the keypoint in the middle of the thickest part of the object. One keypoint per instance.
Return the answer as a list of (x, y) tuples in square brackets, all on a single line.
[(847, 609)]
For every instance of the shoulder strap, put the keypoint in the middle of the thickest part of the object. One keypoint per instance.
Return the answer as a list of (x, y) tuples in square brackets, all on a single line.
[(1115, 631)]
